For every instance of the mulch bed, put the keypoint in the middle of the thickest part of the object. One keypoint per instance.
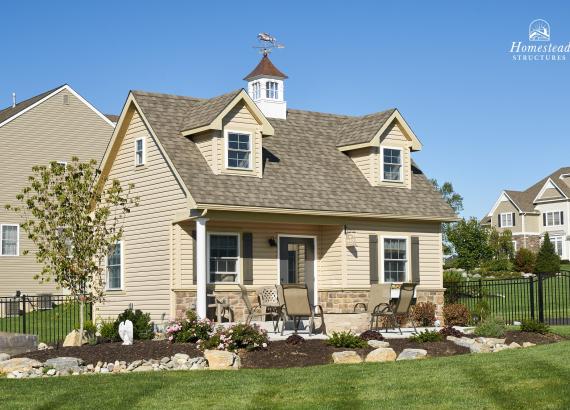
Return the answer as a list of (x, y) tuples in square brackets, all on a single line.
[(536, 338)]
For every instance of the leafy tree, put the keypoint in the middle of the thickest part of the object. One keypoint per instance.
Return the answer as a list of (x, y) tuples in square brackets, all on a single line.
[(525, 260), (73, 225), (471, 243), (501, 244), (547, 261), (455, 201)]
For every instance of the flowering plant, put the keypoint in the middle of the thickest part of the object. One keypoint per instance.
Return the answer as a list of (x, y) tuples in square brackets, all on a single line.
[(189, 330), (239, 336)]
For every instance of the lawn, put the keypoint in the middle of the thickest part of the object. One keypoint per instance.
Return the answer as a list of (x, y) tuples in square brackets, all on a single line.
[(525, 378)]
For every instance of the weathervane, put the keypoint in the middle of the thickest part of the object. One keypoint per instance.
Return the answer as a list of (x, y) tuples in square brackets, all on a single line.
[(267, 43)]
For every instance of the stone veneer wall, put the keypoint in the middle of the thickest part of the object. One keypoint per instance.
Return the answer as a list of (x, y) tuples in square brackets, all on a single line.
[(532, 242), (186, 300)]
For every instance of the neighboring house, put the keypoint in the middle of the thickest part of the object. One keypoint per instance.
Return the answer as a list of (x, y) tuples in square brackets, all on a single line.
[(53, 126), (544, 207), (238, 189)]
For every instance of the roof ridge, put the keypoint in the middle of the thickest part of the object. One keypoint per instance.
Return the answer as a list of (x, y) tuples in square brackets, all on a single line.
[(27, 100)]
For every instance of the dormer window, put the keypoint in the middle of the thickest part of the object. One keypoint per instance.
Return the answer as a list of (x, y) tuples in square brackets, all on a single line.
[(256, 90), (239, 150), (392, 164), (272, 90)]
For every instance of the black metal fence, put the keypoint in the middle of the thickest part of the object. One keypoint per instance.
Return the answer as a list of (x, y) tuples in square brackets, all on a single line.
[(542, 297), (50, 317)]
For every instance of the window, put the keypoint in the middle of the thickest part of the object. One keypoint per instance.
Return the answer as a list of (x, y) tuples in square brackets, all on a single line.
[(9, 240), (514, 245), (139, 151), (557, 242), (506, 220), (392, 164), (395, 260), (272, 90), (256, 90), (239, 150), (553, 218), (115, 267), (223, 257), (62, 163)]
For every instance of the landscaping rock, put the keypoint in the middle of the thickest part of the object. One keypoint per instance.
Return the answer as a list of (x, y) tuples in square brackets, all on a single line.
[(143, 368), (378, 344), (73, 339), (221, 360), (514, 345), (43, 346), (382, 354), (412, 354), (17, 343), (528, 344), (198, 363), (21, 364), (64, 364), (499, 347), (165, 360), (4, 356), (490, 341), (349, 356), (462, 341), (480, 348)]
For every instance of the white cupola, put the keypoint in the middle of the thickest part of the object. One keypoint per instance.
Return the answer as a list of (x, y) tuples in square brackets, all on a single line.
[(266, 86)]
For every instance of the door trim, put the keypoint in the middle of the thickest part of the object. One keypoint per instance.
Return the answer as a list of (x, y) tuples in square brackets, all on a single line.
[(316, 256)]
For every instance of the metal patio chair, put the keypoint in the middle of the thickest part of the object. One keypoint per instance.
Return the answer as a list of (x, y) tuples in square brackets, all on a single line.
[(252, 310), (400, 307), (297, 306), (380, 294)]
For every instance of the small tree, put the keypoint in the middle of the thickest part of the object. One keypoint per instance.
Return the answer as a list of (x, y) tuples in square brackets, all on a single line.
[(455, 201), (525, 260), (73, 225), (471, 243), (547, 261), (501, 244)]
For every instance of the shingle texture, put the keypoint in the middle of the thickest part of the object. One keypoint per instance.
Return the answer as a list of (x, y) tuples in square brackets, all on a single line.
[(303, 168), (203, 112), (21, 106), (356, 130), (265, 68)]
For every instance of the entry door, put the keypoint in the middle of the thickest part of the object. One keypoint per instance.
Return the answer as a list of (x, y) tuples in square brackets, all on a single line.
[(296, 261)]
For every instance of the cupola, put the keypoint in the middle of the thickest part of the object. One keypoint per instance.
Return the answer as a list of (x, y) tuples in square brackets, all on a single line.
[(266, 86)]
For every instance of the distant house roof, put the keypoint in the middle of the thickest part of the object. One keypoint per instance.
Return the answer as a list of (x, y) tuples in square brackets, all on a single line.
[(265, 68), (112, 117), (303, 168)]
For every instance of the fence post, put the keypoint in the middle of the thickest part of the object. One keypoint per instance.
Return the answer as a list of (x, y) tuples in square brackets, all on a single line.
[(540, 299), (24, 314), (531, 292)]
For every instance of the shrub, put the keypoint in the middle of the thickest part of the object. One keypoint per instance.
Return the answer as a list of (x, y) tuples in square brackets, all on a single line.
[(346, 339), (142, 326), (502, 264), (480, 311), (451, 331), (108, 331), (371, 335), (424, 313), (189, 330), (491, 327), (240, 336), (452, 276), (547, 261), (294, 340), (534, 326), (427, 336), (525, 260), (456, 314)]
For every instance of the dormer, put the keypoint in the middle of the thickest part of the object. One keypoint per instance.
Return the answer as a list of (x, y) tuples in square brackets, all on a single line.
[(228, 130), (380, 145), (266, 86)]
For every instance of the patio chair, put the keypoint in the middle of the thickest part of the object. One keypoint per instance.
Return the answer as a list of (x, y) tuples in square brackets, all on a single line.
[(296, 303), (270, 304), (379, 294), (400, 307), (220, 304), (252, 310)]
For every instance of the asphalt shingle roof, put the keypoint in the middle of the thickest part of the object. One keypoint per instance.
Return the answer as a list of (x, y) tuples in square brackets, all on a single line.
[(303, 168)]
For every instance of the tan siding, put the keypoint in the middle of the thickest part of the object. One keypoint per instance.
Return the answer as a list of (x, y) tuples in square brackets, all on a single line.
[(51, 131), (393, 137), (148, 253), (205, 143), (550, 193), (532, 223), (363, 159), (507, 207)]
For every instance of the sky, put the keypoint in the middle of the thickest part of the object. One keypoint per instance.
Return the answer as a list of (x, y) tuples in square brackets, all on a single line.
[(487, 123)]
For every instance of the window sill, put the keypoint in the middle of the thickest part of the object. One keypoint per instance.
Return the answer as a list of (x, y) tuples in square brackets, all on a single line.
[(238, 169), (393, 181)]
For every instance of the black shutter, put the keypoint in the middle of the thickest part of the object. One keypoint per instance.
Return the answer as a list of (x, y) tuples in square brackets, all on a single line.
[(373, 256), (561, 217), (543, 219), (499, 220), (514, 219), (415, 259), (247, 256), (194, 253)]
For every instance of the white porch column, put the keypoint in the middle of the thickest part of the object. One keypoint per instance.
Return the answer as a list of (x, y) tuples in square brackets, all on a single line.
[(201, 267)]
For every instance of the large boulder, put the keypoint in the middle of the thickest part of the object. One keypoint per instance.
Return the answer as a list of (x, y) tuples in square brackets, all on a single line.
[(378, 343), (73, 339), (382, 354), (222, 360), (65, 364), (21, 364), (346, 357), (4, 356), (17, 343), (412, 354)]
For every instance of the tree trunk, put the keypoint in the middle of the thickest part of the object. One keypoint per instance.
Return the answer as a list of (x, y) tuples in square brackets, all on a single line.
[(81, 318)]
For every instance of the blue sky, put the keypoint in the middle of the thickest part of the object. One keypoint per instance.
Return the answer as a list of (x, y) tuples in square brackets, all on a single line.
[(487, 122)]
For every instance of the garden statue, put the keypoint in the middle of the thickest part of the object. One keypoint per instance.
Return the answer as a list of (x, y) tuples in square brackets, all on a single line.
[(126, 332)]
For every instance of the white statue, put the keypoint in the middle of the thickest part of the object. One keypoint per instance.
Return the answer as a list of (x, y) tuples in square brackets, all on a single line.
[(126, 332)]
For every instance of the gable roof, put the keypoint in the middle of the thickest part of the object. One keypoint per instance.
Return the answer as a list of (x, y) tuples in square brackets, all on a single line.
[(265, 68), (356, 130), (303, 168), (202, 112)]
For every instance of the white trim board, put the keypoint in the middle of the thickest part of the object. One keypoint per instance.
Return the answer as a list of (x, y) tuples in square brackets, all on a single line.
[(503, 198), (549, 184)]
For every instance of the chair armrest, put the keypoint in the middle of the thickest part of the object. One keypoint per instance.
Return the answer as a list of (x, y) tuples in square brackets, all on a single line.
[(319, 307), (382, 307), (358, 304)]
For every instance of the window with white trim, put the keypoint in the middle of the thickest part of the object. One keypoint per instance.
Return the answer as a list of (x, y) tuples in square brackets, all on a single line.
[(115, 267), (239, 150), (9, 240), (553, 218), (514, 245), (223, 258), (395, 259), (139, 151), (256, 90), (272, 90), (506, 220), (557, 242), (391, 164)]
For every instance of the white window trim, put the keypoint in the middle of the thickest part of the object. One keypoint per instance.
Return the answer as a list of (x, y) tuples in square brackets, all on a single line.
[(122, 271), (556, 239), (143, 139), (514, 242), (504, 225), (17, 240), (408, 249), (559, 218), (61, 162), (401, 179), (238, 264), (227, 149)]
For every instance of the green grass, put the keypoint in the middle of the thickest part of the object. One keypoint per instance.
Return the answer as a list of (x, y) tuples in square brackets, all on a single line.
[(563, 331), (50, 325), (525, 378), (565, 267)]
